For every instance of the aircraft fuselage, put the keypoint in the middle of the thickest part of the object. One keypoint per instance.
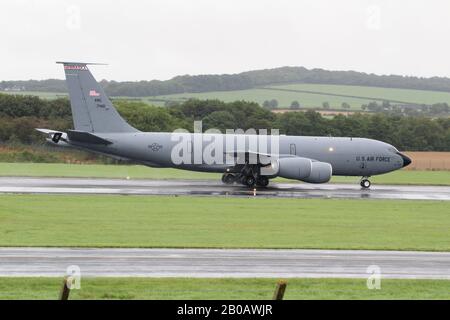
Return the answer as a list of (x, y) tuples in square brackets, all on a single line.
[(347, 156)]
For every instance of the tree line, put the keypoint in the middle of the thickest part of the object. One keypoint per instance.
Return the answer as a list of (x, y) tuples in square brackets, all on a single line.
[(241, 81), (19, 115)]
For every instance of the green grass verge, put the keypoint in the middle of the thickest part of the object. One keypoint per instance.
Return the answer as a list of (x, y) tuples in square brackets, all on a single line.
[(141, 172), (98, 171), (227, 289), (207, 222)]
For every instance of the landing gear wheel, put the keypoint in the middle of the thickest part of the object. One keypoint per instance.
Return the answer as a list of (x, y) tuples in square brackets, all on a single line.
[(365, 183), (262, 181), (250, 181), (228, 178)]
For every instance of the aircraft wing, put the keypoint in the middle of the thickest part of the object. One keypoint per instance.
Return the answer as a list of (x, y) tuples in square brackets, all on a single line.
[(240, 153), (260, 157)]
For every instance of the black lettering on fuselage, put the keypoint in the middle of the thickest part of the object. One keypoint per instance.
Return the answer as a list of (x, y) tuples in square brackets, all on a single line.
[(373, 158)]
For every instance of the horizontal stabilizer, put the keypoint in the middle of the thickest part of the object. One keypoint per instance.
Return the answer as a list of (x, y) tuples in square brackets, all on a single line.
[(48, 131), (54, 135), (86, 137)]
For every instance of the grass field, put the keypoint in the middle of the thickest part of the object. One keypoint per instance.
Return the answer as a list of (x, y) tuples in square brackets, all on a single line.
[(205, 222), (141, 172), (227, 289), (306, 100), (335, 95), (373, 93)]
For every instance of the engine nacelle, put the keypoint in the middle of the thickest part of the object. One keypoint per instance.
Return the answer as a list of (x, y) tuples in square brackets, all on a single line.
[(294, 168), (321, 172), (303, 169)]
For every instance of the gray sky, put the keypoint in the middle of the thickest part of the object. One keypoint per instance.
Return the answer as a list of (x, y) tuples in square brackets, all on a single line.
[(159, 39)]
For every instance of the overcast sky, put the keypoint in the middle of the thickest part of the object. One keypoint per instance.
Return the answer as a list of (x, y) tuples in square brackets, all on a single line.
[(159, 39)]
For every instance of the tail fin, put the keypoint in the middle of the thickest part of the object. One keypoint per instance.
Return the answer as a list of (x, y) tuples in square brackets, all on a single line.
[(92, 111)]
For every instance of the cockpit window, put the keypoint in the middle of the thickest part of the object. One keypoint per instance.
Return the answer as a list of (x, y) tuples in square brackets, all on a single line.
[(392, 149)]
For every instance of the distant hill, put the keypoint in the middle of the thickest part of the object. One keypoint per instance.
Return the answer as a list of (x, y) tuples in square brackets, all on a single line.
[(240, 81)]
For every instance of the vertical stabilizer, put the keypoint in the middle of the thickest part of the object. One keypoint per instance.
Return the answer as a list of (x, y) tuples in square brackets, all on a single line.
[(92, 111)]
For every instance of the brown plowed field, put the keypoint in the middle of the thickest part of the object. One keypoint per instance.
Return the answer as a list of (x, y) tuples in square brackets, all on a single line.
[(428, 160)]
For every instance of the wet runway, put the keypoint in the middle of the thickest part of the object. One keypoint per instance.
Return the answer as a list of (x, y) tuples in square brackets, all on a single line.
[(225, 263), (216, 188)]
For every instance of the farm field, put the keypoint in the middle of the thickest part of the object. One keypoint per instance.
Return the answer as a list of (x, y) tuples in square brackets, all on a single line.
[(429, 160), (40, 94), (373, 93), (335, 95), (208, 222), (284, 99), (226, 289)]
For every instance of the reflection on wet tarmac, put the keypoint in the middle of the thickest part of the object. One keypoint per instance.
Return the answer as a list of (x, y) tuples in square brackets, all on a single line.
[(216, 188)]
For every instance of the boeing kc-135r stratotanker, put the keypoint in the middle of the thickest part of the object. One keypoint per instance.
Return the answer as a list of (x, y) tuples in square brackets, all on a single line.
[(250, 159)]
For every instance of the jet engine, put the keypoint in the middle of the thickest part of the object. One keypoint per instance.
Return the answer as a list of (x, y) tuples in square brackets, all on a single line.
[(304, 169)]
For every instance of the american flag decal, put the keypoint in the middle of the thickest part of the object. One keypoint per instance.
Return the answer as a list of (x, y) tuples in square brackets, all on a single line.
[(93, 93)]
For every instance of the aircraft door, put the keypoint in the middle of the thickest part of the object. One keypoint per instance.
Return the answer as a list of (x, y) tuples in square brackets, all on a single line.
[(293, 150)]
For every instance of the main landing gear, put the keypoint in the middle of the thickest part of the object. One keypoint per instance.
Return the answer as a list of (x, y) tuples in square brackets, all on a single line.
[(365, 183), (228, 178), (262, 181), (248, 180)]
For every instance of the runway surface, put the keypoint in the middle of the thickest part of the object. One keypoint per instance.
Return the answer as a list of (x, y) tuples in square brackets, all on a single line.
[(224, 263), (216, 188)]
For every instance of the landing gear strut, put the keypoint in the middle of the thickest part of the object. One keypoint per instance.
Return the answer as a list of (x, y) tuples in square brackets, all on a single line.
[(365, 183)]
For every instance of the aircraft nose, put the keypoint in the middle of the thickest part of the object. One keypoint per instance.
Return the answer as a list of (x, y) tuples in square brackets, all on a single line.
[(406, 160)]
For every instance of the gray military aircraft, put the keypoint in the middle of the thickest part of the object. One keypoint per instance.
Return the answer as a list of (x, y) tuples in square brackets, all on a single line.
[(99, 128)]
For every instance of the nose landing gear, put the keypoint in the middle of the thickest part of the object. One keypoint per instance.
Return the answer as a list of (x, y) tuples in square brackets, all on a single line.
[(365, 183)]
